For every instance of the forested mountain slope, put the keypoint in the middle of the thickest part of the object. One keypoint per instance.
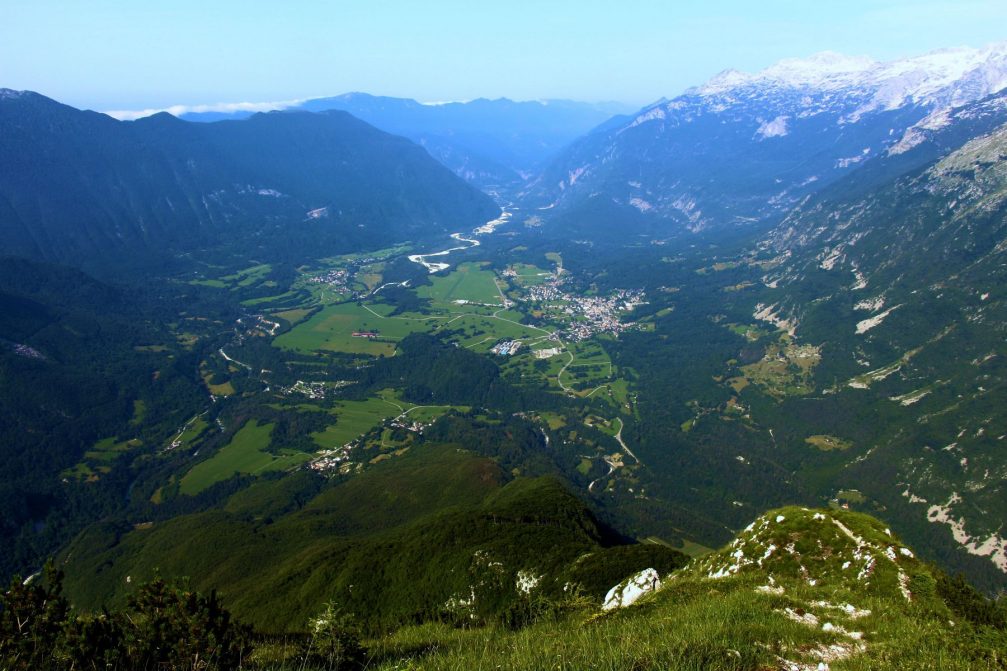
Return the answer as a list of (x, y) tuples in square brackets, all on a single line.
[(82, 188)]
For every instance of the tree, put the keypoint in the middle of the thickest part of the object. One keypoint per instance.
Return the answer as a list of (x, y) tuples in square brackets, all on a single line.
[(335, 642), (168, 626), (32, 617)]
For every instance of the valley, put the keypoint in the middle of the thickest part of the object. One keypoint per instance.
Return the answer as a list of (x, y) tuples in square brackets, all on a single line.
[(532, 320)]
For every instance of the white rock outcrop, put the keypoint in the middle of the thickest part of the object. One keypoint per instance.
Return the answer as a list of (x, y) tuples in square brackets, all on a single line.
[(631, 589)]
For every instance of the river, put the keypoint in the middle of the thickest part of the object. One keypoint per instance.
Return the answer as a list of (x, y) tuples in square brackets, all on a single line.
[(487, 228)]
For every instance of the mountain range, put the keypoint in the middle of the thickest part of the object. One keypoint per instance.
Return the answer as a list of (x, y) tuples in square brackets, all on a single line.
[(745, 148), (491, 143)]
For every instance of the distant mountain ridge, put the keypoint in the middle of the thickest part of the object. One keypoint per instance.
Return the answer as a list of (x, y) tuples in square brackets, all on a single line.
[(487, 142), (80, 187), (744, 148)]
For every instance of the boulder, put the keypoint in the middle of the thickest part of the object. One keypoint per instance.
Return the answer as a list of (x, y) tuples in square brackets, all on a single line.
[(631, 589)]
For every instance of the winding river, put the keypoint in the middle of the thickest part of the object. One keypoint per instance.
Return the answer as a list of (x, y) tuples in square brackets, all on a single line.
[(437, 266)]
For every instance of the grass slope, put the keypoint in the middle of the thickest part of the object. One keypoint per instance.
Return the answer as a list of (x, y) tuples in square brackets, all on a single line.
[(794, 607)]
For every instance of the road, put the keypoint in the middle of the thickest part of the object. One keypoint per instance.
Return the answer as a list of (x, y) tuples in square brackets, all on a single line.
[(622, 443)]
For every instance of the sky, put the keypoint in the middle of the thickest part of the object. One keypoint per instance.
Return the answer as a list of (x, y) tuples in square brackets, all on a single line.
[(103, 54)]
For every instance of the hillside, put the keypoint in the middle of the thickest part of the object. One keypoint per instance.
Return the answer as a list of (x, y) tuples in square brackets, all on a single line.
[(438, 534), (79, 187), (903, 288), (80, 362)]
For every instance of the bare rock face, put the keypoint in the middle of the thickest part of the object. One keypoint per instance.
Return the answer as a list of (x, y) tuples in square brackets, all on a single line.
[(631, 589)]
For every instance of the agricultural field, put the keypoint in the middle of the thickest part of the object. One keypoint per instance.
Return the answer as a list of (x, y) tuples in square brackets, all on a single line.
[(222, 389), (464, 306), (470, 282), (246, 453), (293, 316), (332, 329), (480, 332), (527, 275), (267, 300), (472, 323), (192, 430), (355, 418)]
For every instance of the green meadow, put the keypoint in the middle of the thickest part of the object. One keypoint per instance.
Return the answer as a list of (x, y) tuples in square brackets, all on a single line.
[(469, 282), (246, 453), (332, 329), (355, 418)]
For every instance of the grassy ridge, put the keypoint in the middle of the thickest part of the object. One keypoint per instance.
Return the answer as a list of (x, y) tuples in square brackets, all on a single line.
[(790, 608)]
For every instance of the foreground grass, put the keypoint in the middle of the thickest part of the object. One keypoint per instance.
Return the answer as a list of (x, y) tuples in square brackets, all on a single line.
[(701, 625)]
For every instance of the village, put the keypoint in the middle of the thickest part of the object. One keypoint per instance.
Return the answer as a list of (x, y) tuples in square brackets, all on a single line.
[(594, 315), (315, 390), (587, 316), (337, 279)]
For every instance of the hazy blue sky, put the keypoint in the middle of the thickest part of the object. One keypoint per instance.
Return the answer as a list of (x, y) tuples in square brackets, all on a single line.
[(146, 53)]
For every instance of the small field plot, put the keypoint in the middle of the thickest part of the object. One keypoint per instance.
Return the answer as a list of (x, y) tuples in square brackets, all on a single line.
[(355, 418), (332, 329), (469, 283), (189, 432), (784, 371), (267, 300), (249, 276), (426, 414), (293, 316), (97, 460), (246, 453), (526, 275), (591, 366), (828, 443)]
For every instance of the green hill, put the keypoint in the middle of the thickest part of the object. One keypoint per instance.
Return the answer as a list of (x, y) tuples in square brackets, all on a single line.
[(436, 535)]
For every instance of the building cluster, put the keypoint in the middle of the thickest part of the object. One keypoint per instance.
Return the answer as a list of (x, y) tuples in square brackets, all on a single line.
[(548, 291), (328, 460), (506, 347), (403, 423), (313, 390)]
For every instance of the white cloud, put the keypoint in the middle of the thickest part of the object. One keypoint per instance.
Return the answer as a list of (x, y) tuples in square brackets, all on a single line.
[(226, 108)]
